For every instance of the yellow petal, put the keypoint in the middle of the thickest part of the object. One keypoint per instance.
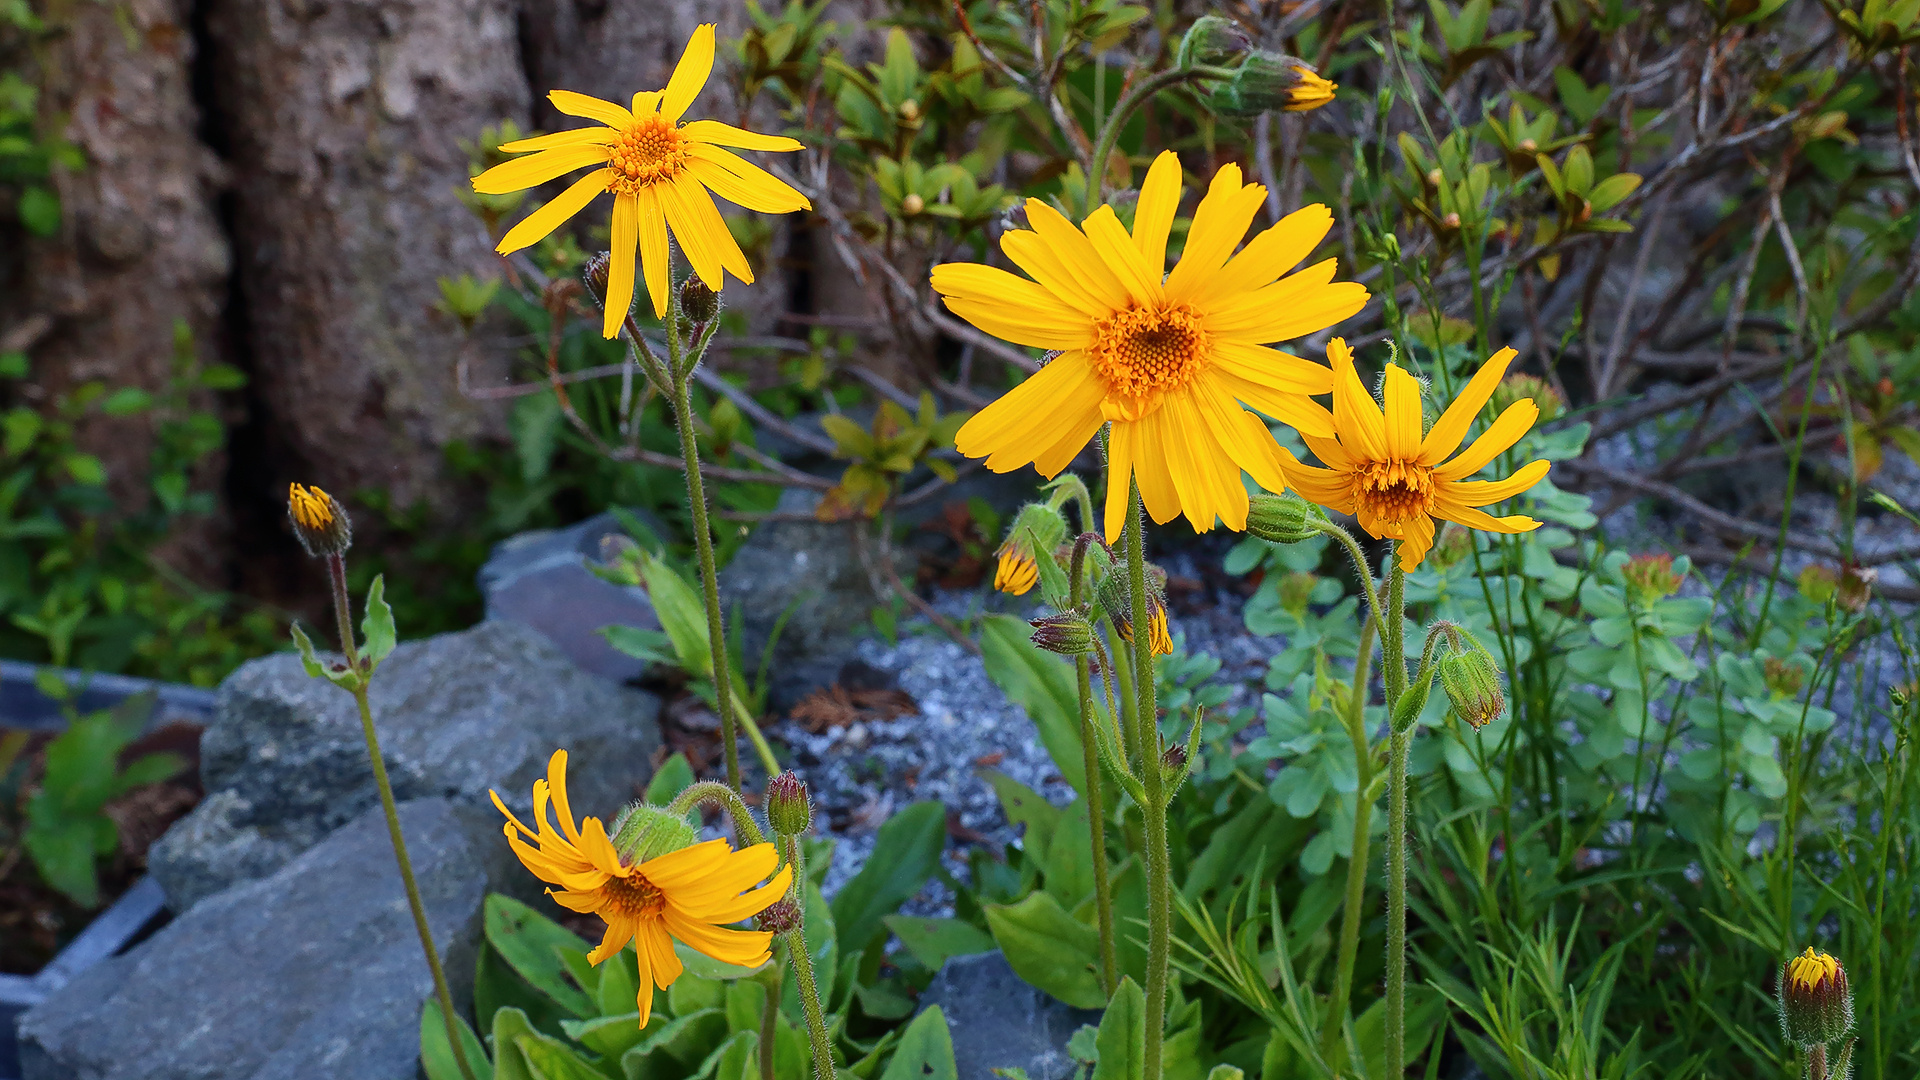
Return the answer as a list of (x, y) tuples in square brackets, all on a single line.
[(1330, 489), (1272, 368), (1482, 492), (742, 182), (1208, 478), (1119, 479), (719, 134), (590, 107), (557, 788), (619, 932), (1294, 306), (1076, 420), (686, 867), (689, 75), (646, 103), (651, 938), (599, 136), (536, 169), (1241, 436), (746, 948), (623, 244), (1085, 293), (1453, 424), (1276, 250), (1013, 429), (1219, 223), (1153, 213), (1416, 539), (644, 999), (1297, 411), (535, 226), (1077, 253), (1506, 430), (1152, 448), (747, 904), (1116, 249), (703, 235), (1330, 452), (1402, 394), (1463, 514), (651, 222), (1363, 431)]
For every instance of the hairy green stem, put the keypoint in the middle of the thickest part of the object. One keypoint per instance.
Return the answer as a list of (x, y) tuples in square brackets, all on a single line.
[(1096, 802), (803, 968), (1356, 898), (1159, 870), (1394, 658), (714, 793), (337, 574), (770, 1017), (1116, 120)]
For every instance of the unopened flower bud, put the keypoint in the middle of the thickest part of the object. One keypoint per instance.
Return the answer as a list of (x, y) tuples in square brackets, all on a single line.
[(1517, 388), (698, 302), (1113, 596), (1285, 518), (319, 523), (1472, 683), (1266, 81), (643, 831), (594, 273), (1214, 41), (1068, 633), (1816, 1006), (1173, 759), (782, 917), (910, 111), (1783, 679), (1451, 222), (1036, 531), (913, 204), (789, 810)]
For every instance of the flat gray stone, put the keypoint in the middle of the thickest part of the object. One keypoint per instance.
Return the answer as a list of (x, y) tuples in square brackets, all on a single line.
[(284, 762), (313, 971), (540, 578), (999, 1022)]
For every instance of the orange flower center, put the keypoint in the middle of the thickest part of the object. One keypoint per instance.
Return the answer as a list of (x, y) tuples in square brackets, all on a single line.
[(632, 896), (1393, 491), (1143, 352), (649, 152)]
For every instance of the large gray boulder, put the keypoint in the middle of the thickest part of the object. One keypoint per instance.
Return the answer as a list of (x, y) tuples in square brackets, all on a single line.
[(313, 971), (284, 762), (540, 578), (999, 1022)]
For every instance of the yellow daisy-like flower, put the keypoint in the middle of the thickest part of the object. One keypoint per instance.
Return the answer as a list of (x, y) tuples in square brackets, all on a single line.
[(685, 894), (1394, 479), (660, 172), (1170, 359)]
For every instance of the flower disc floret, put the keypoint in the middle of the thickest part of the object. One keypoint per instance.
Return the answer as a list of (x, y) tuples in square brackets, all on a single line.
[(1145, 352), (648, 151)]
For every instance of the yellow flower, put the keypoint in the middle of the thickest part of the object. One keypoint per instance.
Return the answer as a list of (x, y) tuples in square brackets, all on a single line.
[(1159, 641), (319, 523), (659, 171), (684, 894), (1807, 972), (1395, 481), (1167, 360), (1017, 571)]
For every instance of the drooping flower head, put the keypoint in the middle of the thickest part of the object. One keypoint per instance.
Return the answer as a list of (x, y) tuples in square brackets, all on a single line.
[(1167, 358), (1394, 477), (659, 171), (688, 894), (1036, 531)]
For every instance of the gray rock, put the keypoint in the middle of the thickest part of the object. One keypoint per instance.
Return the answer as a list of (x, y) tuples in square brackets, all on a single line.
[(999, 1022), (540, 578), (284, 763), (314, 971), (813, 569)]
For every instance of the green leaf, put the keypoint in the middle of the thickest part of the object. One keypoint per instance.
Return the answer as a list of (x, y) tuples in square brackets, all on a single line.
[(436, 1054), (619, 988), (612, 1035), (672, 777), (508, 1062), (377, 625), (126, 401), (1122, 1041), (551, 1059), (692, 993), (735, 1059), (932, 941), (905, 855), (1049, 948), (683, 615), (530, 942), (1609, 193), (86, 469), (1044, 686), (39, 210), (926, 1050), (642, 644), (684, 1039), (307, 659), (62, 851)]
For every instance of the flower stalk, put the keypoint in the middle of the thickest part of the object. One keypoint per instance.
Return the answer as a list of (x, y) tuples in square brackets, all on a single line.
[(1393, 659), (1154, 808), (1096, 803)]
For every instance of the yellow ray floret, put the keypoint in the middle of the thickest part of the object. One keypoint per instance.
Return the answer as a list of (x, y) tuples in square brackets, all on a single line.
[(1396, 480), (686, 894), (1172, 360), (663, 175)]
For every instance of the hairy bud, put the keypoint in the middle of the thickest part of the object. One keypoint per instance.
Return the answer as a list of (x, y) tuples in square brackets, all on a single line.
[(698, 302), (1472, 683), (789, 810), (643, 831), (1285, 518), (1036, 531), (1268, 81), (780, 918), (1068, 633), (1816, 1005), (1214, 41), (594, 272), (319, 523)]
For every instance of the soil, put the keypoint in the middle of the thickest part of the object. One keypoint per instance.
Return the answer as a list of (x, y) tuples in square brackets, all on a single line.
[(36, 922)]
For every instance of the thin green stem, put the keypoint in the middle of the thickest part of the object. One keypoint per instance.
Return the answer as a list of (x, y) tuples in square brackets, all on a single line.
[(1110, 131), (1096, 802), (770, 1017), (1159, 869), (703, 545), (803, 969), (1394, 658), (342, 613), (714, 793), (1356, 899)]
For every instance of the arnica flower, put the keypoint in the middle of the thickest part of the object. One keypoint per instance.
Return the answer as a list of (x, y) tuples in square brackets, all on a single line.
[(1816, 1005), (1167, 359), (319, 523), (686, 894), (1396, 480), (659, 171)]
